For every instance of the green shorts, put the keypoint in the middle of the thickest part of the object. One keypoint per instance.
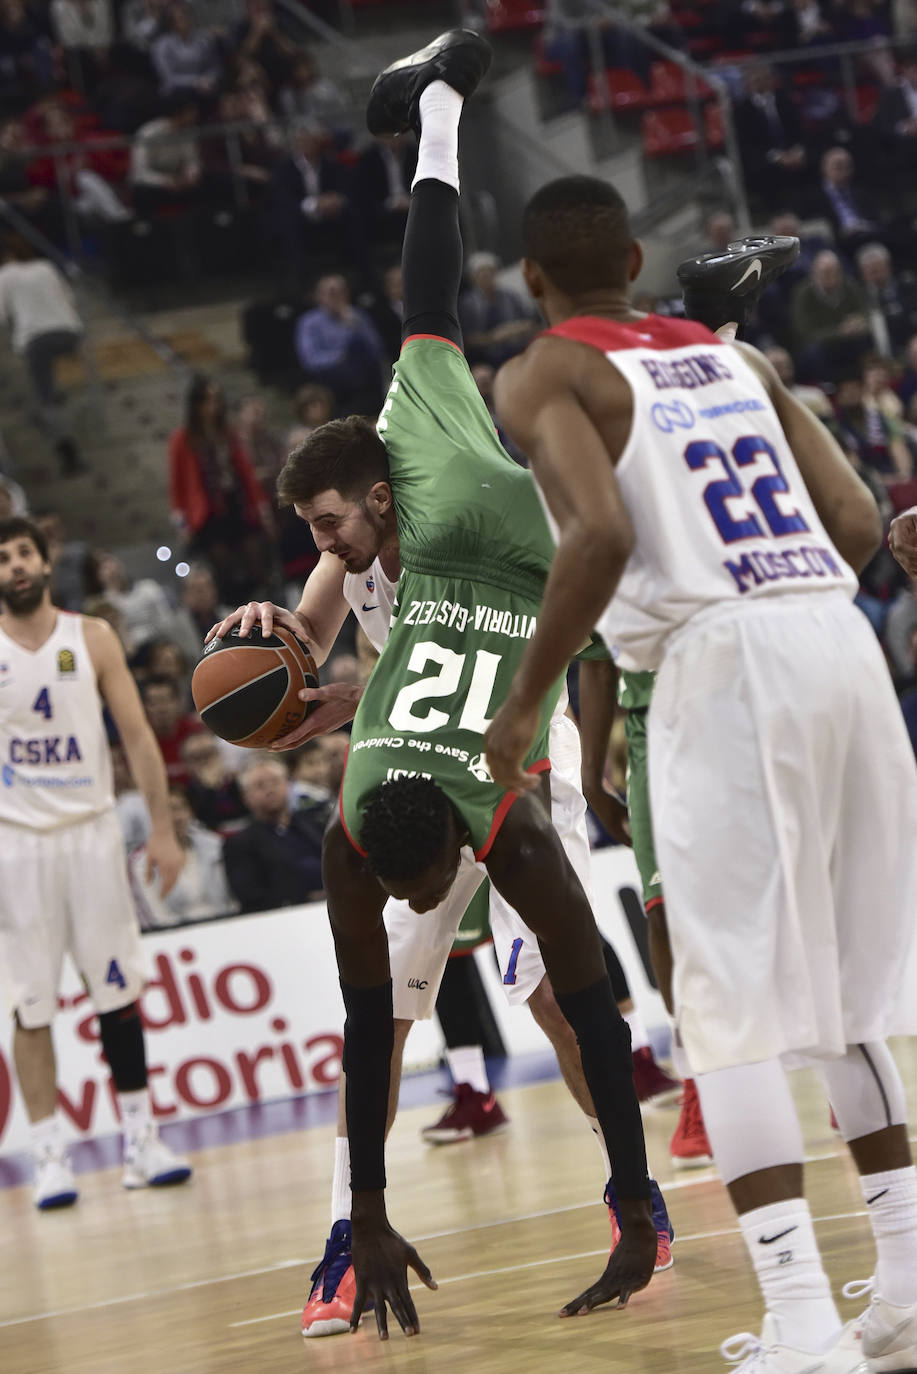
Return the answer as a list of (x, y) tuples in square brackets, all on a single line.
[(474, 927), (638, 807), (448, 663)]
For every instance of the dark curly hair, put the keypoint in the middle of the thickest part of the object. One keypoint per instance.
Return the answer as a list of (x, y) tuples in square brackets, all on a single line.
[(577, 229), (405, 827)]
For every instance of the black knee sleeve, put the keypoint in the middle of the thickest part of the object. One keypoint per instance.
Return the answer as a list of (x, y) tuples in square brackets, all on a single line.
[(432, 259), (605, 1048), (121, 1033), (619, 983)]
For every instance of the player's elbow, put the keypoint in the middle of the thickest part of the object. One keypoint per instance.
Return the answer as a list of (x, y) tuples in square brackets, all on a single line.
[(606, 542)]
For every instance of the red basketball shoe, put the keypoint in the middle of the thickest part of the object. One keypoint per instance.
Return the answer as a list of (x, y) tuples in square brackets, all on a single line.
[(654, 1088), (690, 1148), (471, 1114)]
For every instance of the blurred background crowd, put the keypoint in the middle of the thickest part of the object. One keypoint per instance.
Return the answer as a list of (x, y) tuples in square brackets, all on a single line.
[(156, 145)]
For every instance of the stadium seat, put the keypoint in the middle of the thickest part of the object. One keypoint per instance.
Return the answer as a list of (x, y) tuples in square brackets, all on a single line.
[(624, 90), (545, 65), (667, 132), (714, 129), (504, 15), (669, 86), (866, 104)]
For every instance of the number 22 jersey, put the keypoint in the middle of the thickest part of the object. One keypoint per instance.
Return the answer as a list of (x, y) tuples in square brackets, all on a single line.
[(718, 504), (55, 763)]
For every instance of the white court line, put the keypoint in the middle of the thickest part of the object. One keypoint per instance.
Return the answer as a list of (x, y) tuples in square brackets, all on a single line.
[(154, 1293), (536, 1264)]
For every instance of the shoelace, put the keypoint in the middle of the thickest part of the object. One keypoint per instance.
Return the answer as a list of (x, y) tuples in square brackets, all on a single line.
[(858, 1288), (743, 1346)]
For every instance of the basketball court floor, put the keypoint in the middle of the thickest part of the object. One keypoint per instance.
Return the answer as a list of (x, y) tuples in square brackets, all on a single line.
[(212, 1277)]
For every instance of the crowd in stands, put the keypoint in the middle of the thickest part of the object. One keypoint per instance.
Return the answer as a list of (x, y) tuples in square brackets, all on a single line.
[(840, 328)]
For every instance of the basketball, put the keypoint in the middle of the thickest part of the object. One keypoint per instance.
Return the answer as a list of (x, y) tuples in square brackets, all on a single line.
[(247, 690)]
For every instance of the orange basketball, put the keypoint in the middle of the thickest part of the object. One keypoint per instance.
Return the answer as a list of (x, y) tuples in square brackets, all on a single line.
[(247, 690)]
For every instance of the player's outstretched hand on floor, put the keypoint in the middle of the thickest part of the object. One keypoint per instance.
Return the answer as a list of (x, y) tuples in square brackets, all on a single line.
[(508, 739), (381, 1259), (263, 613), (902, 540), (337, 704), (630, 1266)]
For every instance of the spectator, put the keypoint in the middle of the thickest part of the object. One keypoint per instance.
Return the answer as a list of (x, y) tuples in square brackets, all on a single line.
[(309, 775), (770, 137), (306, 95), (70, 561), (309, 212), (808, 24), (897, 113), (215, 497), (829, 319), (84, 29), (907, 382), (878, 391), (868, 432), (811, 396), (130, 807), (258, 38), (142, 21), (186, 59), (106, 610), (383, 188), (275, 860), (721, 230), (39, 308), (143, 604), (338, 345), (899, 637), (496, 323), (263, 443), (165, 658), (26, 66), (200, 891), (387, 311), (165, 165), (170, 723), (38, 204), (213, 788), (256, 147), (88, 170), (841, 203), (313, 406), (199, 609), (892, 302)]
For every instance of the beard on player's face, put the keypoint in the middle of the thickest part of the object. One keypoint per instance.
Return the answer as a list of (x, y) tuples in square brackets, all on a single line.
[(22, 594)]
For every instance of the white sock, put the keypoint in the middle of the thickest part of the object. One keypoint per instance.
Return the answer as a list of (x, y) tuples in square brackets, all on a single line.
[(638, 1036), (340, 1186), (891, 1199), (47, 1134), (466, 1064), (794, 1285), (437, 155), (136, 1113)]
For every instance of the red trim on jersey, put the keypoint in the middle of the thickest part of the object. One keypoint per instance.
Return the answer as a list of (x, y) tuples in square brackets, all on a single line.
[(438, 337), (616, 336), (653, 901), (506, 801)]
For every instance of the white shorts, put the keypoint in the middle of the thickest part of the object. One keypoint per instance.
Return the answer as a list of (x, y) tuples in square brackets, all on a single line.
[(419, 945), (66, 891), (784, 798)]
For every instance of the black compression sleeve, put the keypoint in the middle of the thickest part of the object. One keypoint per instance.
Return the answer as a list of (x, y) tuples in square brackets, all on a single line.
[(121, 1033), (604, 1041), (431, 262), (369, 1038), (619, 984)]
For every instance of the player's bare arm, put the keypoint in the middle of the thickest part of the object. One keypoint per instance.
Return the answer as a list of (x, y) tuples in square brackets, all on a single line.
[(381, 1256), (598, 689), (902, 540), (119, 692), (844, 503), (541, 406)]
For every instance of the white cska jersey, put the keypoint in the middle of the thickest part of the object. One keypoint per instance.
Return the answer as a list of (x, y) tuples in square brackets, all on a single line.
[(718, 504), (55, 763), (371, 596)]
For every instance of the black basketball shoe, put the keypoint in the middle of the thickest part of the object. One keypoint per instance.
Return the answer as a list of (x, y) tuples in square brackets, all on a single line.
[(460, 58), (718, 287)]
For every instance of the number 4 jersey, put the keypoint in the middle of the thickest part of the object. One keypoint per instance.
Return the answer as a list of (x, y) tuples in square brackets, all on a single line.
[(719, 507), (55, 764)]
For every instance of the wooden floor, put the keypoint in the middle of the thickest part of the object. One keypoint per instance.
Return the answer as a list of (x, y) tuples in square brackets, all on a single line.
[(212, 1277)]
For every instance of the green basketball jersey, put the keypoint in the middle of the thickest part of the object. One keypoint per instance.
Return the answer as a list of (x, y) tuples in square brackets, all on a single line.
[(635, 690), (475, 551)]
